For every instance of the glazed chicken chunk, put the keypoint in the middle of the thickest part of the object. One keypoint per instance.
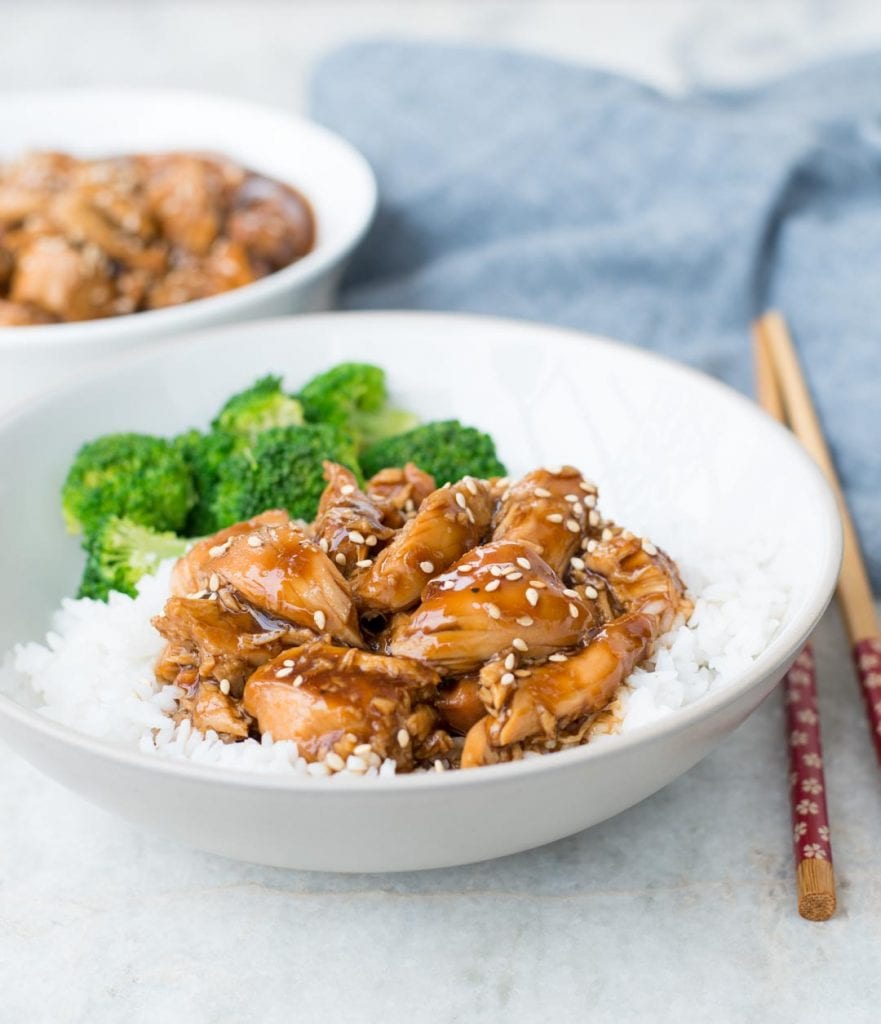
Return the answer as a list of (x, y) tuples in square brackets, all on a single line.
[(342, 699), (399, 493), (349, 526), (286, 575), (502, 596), (448, 523), (551, 510)]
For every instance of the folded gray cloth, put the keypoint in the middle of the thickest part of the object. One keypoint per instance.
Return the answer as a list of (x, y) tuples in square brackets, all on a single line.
[(515, 185)]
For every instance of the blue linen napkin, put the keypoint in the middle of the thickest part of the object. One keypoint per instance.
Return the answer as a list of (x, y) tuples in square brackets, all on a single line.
[(516, 185)]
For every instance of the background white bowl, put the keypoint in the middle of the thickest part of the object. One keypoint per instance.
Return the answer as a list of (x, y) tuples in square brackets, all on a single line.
[(664, 443), (332, 175)]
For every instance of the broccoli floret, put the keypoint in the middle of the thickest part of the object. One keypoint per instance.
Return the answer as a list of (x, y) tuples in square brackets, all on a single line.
[(281, 469), (120, 552), (444, 448), (206, 455), (259, 407), (143, 478), (353, 398)]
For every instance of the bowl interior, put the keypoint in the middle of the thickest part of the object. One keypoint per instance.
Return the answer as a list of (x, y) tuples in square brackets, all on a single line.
[(676, 455)]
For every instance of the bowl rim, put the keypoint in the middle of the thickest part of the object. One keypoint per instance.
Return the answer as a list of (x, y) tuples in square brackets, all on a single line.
[(772, 661), (194, 315)]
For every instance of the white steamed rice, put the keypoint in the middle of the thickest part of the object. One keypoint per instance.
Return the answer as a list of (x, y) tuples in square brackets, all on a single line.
[(94, 672)]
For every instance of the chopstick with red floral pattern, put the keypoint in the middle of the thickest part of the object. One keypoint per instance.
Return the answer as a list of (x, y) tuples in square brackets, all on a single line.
[(854, 591), (811, 844)]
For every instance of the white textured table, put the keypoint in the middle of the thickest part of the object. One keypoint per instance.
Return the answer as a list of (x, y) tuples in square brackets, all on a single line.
[(681, 909)]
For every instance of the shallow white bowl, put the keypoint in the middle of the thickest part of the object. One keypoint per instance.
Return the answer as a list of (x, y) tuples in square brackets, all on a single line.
[(332, 175), (661, 440)]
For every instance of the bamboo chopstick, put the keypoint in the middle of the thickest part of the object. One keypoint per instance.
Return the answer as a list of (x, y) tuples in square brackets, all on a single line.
[(812, 849), (854, 591)]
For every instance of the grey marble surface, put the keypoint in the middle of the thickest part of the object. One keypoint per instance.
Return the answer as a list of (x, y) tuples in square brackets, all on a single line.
[(681, 909)]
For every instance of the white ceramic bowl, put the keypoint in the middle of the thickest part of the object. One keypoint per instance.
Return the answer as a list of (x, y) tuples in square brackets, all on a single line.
[(332, 175), (660, 439)]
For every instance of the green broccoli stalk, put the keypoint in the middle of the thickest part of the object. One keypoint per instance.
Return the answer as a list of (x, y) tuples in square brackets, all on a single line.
[(120, 552), (281, 469), (353, 398), (444, 448), (258, 408), (206, 455), (143, 478)]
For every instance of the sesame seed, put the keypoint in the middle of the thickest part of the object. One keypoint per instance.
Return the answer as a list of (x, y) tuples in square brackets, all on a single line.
[(572, 526), (403, 738), (299, 681), (288, 663), (510, 662), (594, 517), (592, 545), (538, 584), (224, 687), (492, 610), (558, 657), (363, 750), (573, 610), (212, 597), (569, 592), (370, 541), (507, 679), (214, 582), (555, 517), (347, 489), (514, 576), (256, 542), (649, 548), (470, 515), (355, 537), (576, 562), (333, 761), (494, 570), (578, 508), (523, 563), (426, 566), (492, 585), (439, 766), (607, 534), (460, 500), (591, 501), (220, 549), (532, 596), (525, 620), (324, 545), (364, 563), (571, 498), (523, 673), (591, 592), (339, 558), (585, 486), (542, 492), (283, 673), (320, 619), (409, 504), (519, 644), (471, 485)]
